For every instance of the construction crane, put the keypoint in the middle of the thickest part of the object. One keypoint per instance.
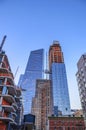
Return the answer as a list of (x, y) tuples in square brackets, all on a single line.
[(2, 43), (16, 72)]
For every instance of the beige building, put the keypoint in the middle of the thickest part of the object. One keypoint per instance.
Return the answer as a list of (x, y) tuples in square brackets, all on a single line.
[(78, 113), (42, 104)]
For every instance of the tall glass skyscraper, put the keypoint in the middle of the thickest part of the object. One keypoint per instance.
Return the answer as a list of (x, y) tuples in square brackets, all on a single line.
[(34, 70), (58, 76)]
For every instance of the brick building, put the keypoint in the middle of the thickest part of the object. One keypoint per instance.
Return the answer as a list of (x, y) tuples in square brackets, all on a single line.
[(42, 103), (66, 123)]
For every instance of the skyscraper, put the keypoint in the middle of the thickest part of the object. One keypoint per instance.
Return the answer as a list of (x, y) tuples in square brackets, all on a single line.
[(58, 76), (81, 79), (34, 70), (11, 109)]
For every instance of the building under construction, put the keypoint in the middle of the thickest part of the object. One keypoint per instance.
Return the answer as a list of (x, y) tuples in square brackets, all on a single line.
[(11, 110)]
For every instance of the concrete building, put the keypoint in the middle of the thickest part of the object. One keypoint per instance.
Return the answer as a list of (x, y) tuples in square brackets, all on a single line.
[(42, 106), (11, 109), (58, 76), (81, 79)]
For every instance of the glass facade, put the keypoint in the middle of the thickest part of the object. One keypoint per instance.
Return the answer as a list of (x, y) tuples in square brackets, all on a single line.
[(34, 70), (60, 89), (58, 76)]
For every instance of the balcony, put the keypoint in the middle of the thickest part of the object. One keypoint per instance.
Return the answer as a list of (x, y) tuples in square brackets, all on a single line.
[(8, 108), (11, 89), (8, 118), (18, 90), (9, 75), (15, 105), (14, 114), (10, 99), (9, 82), (18, 99)]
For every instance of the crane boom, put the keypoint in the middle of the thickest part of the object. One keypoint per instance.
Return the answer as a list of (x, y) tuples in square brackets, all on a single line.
[(16, 72), (2, 43)]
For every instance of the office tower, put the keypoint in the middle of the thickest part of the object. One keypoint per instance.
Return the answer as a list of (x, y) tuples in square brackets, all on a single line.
[(58, 76), (11, 109), (42, 105), (81, 79), (34, 70)]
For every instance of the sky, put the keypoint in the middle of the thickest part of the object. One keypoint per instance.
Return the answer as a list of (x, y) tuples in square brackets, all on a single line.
[(34, 24)]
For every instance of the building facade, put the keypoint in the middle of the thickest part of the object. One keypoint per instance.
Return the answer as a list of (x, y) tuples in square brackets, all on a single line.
[(42, 106), (66, 123), (11, 109), (34, 70), (81, 79), (78, 113), (58, 76)]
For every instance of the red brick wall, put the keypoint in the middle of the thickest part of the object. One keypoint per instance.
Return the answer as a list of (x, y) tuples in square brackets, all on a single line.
[(68, 124)]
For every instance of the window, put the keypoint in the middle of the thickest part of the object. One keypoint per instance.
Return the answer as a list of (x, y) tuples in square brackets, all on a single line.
[(0, 110), (0, 81), (66, 109), (0, 100), (85, 64), (4, 91), (68, 128), (60, 128), (0, 59), (54, 128)]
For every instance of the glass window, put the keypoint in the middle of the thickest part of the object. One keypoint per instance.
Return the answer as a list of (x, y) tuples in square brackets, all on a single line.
[(0, 108), (0, 81), (0, 100), (85, 64), (0, 59), (68, 128), (60, 128), (4, 91)]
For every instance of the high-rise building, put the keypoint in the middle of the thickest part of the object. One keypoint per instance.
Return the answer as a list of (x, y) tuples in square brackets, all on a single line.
[(81, 79), (11, 109), (42, 106), (58, 76), (34, 70)]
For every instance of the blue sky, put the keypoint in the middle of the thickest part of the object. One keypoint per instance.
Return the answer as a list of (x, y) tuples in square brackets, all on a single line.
[(34, 24)]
